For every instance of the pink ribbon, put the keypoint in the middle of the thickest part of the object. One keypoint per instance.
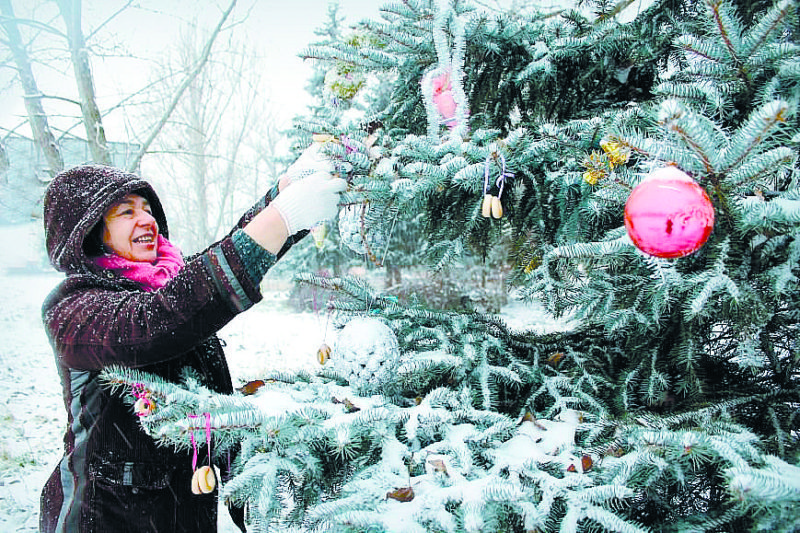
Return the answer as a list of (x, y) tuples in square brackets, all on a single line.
[(194, 443)]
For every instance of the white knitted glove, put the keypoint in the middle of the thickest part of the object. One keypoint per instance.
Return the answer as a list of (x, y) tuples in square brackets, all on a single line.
[(305, 203), (312, 160)]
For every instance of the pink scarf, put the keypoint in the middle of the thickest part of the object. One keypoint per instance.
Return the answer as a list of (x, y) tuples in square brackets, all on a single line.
[(152, 276)]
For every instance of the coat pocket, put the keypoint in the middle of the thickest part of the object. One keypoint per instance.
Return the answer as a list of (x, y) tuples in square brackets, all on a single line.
[(133, 497)]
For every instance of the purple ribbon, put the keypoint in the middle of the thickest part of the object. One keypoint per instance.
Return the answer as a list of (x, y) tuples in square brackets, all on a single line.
[(348, 145), (501, 180)]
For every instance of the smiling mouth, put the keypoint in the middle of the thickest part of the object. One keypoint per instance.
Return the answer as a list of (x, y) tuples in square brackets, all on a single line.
[(145, 239)]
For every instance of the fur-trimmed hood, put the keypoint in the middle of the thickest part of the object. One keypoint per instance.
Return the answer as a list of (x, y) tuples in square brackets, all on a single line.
[(75, 201)]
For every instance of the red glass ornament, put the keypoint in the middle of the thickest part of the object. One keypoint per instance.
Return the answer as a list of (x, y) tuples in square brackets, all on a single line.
[(668, 214)]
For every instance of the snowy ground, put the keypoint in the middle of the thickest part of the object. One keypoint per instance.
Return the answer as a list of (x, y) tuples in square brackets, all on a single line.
[(32, 416)]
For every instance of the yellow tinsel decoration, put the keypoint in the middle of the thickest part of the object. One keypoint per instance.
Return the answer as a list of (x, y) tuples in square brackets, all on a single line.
[(596, 165), (593, 176), (616, 153), (533, 265)]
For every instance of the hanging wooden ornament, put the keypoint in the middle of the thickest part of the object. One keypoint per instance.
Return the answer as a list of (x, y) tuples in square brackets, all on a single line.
[(668, 214), (323, 354), (319, 232), (204, 480), (486, 208), (324, 351), (497, 207), (492, 205)]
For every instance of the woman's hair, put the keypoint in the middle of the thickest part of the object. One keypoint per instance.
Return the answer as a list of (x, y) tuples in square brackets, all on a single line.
[(93, 242)]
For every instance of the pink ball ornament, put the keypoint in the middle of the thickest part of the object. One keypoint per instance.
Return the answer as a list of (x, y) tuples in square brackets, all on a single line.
[(445, 104), (668, 214), (443, 95)]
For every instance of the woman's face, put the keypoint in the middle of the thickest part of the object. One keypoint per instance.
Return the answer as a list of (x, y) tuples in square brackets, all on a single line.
[(130, 230)]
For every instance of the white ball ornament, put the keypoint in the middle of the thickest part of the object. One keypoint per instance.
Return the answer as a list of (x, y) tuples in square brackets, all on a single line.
[(367, 355)]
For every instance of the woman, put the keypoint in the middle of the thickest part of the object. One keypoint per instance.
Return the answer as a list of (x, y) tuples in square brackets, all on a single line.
[(130, 299)]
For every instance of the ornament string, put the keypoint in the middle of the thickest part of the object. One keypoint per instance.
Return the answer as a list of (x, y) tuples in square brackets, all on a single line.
[(207, 416), (367, 301), (486, 170), (389, 237), (501, 179), (329, 309)]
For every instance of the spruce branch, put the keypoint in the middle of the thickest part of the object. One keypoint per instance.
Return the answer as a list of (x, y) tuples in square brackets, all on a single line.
[(773, 21), (694, 130), (753, 134), (727, 26)]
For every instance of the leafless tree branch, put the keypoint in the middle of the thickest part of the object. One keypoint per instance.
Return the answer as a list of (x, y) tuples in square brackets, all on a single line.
[(179, 93)]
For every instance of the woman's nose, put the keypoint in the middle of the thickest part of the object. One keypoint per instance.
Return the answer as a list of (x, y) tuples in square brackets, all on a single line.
[(144, 218)]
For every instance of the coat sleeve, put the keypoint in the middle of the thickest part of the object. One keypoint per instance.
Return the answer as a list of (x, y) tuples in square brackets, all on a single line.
[(92, 324), (257, 208)]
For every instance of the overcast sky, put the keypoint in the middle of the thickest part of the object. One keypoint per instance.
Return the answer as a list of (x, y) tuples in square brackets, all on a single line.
[(278, 30)]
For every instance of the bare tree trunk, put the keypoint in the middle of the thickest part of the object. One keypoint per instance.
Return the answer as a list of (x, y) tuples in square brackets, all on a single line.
[(237, 138), (198, 164), (92, 120), (268, 154), (42, 135), (229, 176), (186, 82)]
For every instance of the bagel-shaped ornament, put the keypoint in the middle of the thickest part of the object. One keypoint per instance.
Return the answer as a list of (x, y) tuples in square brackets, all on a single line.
[(204, 480)]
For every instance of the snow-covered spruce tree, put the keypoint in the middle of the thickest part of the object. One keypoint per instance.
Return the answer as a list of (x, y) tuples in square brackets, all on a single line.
[(673, 403)]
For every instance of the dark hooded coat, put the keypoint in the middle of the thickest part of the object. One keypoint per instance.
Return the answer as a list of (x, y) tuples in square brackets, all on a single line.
[(113, 476)]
